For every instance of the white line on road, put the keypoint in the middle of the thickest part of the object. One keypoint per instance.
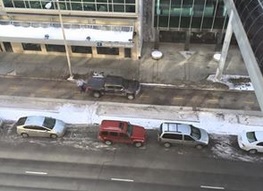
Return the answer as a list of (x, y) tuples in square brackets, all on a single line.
[(33, 172), (213, 187), (123, 180)]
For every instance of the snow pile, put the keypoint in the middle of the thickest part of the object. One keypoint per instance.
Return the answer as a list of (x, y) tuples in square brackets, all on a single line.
[(78, 34), (234, 82)]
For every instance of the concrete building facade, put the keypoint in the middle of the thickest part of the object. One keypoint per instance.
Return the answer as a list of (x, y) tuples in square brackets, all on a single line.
[(93, 28)]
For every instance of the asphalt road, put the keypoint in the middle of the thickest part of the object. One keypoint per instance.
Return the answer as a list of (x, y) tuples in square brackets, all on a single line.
[(130, 171), (62, 164), (221, 99)]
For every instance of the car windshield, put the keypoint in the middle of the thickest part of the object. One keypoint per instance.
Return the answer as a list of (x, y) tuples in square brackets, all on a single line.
[(251, 137), (129, 129), (21, 121), (195, 132), (125, 83), (49, 122)]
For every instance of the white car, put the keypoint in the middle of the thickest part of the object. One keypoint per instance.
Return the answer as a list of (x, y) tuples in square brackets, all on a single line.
[(251, 141), (40, 126)]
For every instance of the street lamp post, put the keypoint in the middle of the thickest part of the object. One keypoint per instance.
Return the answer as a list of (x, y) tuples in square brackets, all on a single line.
[(48, 6)]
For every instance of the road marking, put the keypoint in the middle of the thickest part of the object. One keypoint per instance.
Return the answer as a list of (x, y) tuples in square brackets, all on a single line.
[(212, 100), (33, 172), (122, 180), (213, 187), (176, 98)]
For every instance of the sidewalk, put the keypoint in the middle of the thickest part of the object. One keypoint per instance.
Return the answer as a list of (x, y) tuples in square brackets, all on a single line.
[(176, 67)]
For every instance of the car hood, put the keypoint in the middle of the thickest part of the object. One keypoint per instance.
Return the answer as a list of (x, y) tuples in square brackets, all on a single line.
[(132, 85), (204, 137), (60, 127), (138, 132)]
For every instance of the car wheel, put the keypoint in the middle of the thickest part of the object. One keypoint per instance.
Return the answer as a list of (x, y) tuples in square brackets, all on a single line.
[(108, 142), (138, 144), (199, 146), (24, 135), (130, 96), (252, 151), (96, 94), (167, 145), (54, 136)]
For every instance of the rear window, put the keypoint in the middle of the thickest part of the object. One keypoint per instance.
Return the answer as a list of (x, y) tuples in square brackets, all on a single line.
[(49, 122), (21, 121)]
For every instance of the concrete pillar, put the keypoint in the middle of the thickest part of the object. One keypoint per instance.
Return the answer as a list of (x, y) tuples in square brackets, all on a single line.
[(121, 52), (228, 36), (156, 39), (187, 41)]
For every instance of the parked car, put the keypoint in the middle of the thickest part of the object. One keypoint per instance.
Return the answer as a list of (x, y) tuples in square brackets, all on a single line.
[(40, 126), (177, 133), (112, 85), (111, 131), (251, 141)]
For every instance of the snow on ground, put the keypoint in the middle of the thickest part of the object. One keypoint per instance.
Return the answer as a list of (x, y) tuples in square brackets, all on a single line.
[(234, 82)]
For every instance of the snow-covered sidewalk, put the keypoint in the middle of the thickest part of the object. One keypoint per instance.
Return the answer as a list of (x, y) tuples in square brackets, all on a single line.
[(149, 116)]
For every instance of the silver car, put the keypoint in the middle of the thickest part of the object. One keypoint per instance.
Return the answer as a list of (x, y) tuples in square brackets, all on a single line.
[(40, 126), (177, 133)]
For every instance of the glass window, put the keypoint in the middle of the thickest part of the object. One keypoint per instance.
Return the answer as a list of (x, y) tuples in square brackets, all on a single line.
[(55, 48), (172, 136), (104, 133), (251, 137), (19, 4), (31, 46), (195, 132), (108, 51), (188, 138), (77, 5), (260, 144), (81, 49), (114, 134), (49, 122), (8, 3)]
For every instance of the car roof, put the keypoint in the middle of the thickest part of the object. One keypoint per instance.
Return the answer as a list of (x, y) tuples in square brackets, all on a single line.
[(259, 135), (113, 80), (111, 124), (34, 120), (176, 127)]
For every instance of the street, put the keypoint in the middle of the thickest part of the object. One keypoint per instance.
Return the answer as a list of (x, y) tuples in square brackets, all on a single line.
[(195, 98), (79, 161)]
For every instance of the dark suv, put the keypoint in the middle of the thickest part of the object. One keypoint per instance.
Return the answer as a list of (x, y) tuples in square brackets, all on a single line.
[(113, 85), (111, 131)]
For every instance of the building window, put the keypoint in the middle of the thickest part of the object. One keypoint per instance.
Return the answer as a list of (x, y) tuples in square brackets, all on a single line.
[(55, 48), (127, 52), (185, 14), (128, 6), (31, 46), (81, 49), (108, 51)]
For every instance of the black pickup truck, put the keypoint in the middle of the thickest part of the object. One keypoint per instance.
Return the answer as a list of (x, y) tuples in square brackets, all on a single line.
[(112, 85)]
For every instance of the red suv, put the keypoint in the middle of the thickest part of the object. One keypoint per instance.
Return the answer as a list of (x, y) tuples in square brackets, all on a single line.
[(121, 132)]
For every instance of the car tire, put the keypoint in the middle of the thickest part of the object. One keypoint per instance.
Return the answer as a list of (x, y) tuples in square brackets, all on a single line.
[(167, 145), (107, 142), (96, 94), (199, 146), (53, 136), (130, 96), (252, 151), (138, 144), (24, 135)]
